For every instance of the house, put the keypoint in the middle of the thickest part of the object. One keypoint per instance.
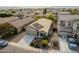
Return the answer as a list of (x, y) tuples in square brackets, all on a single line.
[(19, 24), (7, 19), (63, 13), (40, 28), (68, 24)]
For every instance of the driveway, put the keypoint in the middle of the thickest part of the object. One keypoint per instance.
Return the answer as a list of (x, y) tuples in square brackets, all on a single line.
[(26, 40), (64, 46)]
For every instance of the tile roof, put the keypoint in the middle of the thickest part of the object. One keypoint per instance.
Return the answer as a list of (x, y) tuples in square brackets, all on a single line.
[(21, 22), (46, 23), (67, 17)]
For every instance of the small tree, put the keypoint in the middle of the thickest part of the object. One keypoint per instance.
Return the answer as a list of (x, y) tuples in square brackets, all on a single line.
[(37, 17), (69, 10), (51, 17), (7, 30), (5, 15), (13, 11), (63, 9), (45, 11)]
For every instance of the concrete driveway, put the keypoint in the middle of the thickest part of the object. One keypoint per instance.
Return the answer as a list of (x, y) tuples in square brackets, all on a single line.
[(26, 40)]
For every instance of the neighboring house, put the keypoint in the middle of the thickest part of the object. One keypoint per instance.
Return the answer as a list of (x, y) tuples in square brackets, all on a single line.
[(63, 13), (7, 19), (68, 24), (19, 24), (40, 28)]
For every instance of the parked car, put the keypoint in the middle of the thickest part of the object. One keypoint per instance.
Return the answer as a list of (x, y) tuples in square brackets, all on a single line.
[(3, 43), (71, 43), (71, 40), (72, 46)]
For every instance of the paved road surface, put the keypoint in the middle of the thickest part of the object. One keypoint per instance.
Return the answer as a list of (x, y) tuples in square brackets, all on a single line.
[(14, 48), (17, 37), (64, 46)]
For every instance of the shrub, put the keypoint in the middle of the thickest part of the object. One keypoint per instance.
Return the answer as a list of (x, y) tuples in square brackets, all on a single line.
[(44, 42), (45, 37), (35, 44), (53, 18), (45, 11), (5, 15), (37, 17), (7, 30), (13, 12)]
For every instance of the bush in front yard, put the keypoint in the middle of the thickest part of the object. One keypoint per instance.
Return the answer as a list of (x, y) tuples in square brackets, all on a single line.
[(35, 44), (44, 42)]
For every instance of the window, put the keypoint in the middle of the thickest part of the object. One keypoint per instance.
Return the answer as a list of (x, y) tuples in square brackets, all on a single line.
[(41, 34), (62, 23), (77, 26)]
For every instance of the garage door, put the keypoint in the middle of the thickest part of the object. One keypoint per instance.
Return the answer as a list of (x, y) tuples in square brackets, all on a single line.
[(31, 32)]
